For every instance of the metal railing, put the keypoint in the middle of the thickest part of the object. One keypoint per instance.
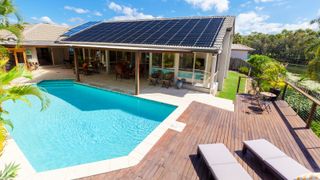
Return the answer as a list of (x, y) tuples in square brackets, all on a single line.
[(305, 105)]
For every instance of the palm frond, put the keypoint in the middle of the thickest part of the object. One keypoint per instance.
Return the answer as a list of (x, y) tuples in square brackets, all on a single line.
[(3, 137), (16, 72), (15, 29), (19, 93), (10, 172)]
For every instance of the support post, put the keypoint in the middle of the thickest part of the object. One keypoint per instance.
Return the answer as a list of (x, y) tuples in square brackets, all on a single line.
[(25, 59), (150, 64), (107, 57), (176, 66), (52, 56), (238, 87), (76, 64), (311, 115), (284, 91), (137, 72), (15, 57)]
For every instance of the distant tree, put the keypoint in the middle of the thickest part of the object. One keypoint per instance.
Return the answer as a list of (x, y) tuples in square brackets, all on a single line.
[(314, 67)]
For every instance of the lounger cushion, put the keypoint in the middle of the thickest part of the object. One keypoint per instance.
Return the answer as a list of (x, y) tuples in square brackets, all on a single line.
[(264, 149), (216, 154), (232, 171), (286, 167)]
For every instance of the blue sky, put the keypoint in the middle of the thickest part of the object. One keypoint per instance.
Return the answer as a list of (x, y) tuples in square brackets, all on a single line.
[(267, 16)]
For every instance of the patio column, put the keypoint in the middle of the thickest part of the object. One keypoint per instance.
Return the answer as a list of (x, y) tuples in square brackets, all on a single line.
[(76, 68), (52, 56), (150, 64), (83, 54), (137, 72), (176, 66), (107, 61)]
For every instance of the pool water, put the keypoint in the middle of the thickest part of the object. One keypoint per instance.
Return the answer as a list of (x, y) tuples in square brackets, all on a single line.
[(83, 124)]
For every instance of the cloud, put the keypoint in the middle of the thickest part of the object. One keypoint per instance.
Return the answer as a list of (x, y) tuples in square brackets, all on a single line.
[(207, 5), (47, 20), (127, 13), (262, 1), (318, 13), (76, 19), (259, 8), (253, 22), (97, 13), (76, 10), (44, 19)]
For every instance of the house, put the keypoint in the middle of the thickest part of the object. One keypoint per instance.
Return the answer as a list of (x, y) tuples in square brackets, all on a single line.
[(38, 45), (195, 49), (240, 51)]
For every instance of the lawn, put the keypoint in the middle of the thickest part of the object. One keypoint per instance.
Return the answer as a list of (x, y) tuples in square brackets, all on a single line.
[(230, 86)]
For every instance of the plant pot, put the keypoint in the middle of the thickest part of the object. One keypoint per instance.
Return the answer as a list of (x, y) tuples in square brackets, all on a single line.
[(276, 91)]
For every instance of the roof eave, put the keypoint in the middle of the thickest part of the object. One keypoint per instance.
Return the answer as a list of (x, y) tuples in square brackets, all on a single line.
[(140, 47)]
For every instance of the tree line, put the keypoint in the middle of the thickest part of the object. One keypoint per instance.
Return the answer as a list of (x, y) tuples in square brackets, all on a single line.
[(295, 47)]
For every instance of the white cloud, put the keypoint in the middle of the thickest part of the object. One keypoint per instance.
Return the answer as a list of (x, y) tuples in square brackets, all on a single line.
[(76, 19), (97, 13), (76, 10), (127, 13), (207, 5), (259, 1), (44, 19), (318, 13), (47, 20), (253, 22), (259, 8)]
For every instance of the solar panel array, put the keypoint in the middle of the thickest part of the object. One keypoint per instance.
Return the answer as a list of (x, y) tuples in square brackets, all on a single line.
[(199, 32), (80, 28)]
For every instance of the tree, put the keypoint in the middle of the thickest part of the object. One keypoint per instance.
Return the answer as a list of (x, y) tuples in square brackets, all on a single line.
[(8, 91), (314, 67)]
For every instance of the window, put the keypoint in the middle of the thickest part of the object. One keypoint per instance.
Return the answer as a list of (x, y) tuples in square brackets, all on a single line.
[(157, 60), (186, 62), (200, 64), (168, 60)]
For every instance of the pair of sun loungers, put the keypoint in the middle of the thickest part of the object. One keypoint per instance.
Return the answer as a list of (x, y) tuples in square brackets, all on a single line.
[(224, 166)]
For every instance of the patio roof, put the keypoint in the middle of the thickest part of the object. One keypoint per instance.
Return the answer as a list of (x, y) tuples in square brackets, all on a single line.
[(179, 34)]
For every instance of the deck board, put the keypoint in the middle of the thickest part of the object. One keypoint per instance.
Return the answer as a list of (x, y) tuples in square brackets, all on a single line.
[(174, 156)]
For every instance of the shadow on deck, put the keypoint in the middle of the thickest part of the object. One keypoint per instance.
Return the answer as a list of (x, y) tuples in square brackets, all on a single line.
[(174, 156)]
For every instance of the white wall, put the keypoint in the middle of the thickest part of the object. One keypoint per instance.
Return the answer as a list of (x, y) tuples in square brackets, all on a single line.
[(33, 57), (239, 54)]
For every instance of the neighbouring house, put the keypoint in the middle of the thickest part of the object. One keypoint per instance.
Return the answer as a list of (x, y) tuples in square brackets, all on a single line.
[(195, 49), (38, 45), (240, 51)]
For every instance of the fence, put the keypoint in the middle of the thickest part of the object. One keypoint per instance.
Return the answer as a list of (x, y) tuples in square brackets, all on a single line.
[(305, 105), (236, 63)]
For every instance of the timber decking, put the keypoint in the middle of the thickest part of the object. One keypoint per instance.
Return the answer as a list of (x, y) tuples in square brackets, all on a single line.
[(174, 156)]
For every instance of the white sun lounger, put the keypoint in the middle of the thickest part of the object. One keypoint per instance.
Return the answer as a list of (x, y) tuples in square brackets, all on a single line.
[(272, 157), (221, 162)]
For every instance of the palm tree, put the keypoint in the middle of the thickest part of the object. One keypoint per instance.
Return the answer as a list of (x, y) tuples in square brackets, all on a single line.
[(8, 91)]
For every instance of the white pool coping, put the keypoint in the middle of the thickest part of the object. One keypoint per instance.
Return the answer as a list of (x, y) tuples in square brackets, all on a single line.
[(89, 169)]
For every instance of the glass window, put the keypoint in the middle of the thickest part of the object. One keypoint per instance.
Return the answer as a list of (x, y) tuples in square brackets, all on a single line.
[(186, 62), (157, 60), (168, 60), (200, 64)]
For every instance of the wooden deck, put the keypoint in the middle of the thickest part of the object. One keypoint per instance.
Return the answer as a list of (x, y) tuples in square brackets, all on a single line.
[(174, 156)]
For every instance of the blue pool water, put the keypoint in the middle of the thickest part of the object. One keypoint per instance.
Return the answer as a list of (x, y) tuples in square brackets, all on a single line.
[(82, 125)]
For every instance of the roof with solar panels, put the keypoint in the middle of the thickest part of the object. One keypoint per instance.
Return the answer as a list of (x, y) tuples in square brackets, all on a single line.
[(192, 33)]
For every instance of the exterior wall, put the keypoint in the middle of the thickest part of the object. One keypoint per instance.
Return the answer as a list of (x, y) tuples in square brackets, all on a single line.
[(31, 54), (239, 54), (58, 55)]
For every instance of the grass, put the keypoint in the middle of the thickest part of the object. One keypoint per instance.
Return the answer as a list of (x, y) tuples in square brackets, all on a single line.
[(230, 86)]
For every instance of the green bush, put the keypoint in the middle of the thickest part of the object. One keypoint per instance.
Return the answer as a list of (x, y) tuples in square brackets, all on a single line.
[(270, 72), (244, 70), (314, 67)]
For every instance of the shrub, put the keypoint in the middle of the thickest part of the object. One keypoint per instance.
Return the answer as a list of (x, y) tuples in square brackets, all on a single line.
[(314, 67), (244, 70), (270, 72)]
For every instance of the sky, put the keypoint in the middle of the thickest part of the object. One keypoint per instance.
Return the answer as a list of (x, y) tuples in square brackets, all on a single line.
[(266, 16)]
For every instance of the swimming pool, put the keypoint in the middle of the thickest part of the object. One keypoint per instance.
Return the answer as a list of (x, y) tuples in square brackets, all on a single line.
[(83, 124)]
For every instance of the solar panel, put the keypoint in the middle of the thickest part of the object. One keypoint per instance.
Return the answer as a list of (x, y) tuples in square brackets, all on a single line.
[(196, 32), (80, 28)]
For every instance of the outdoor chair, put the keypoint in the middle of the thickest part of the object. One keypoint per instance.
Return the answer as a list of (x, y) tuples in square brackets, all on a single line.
[(221, 162), (155, 78), (274, 159), (167, 80)]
